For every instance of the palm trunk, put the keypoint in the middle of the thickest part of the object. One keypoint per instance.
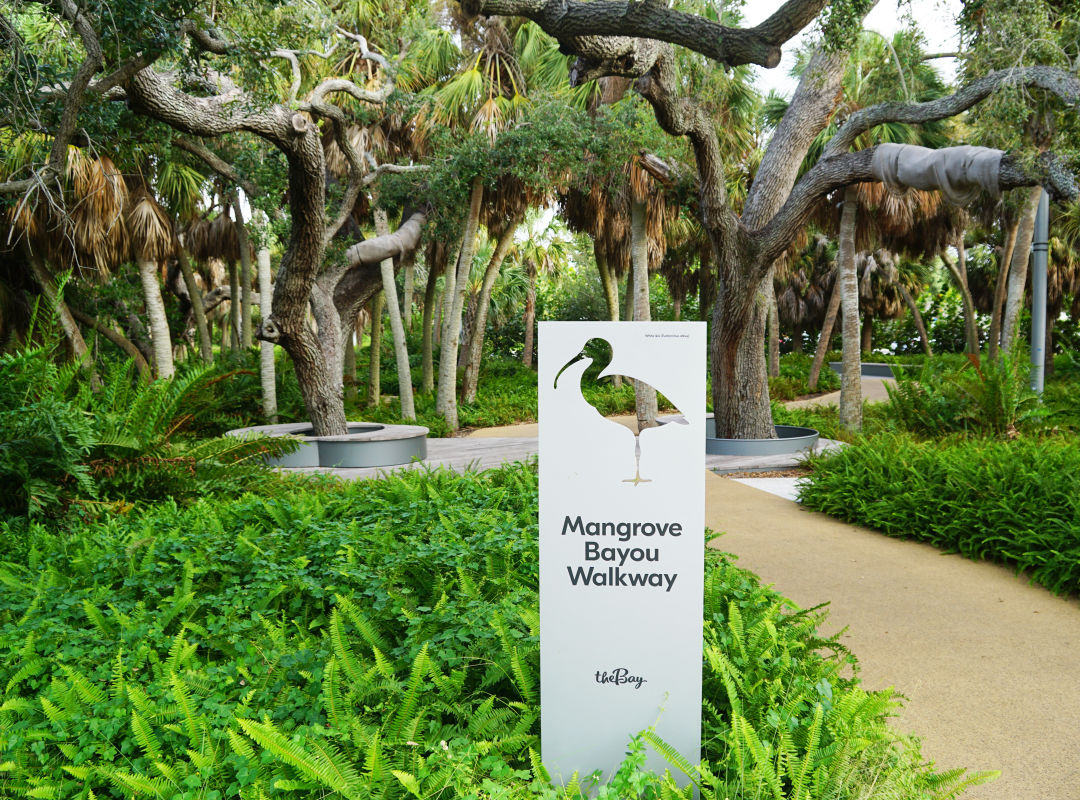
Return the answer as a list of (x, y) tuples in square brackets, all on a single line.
[(408, 266), (628, 299), (348, 357), (198, 310), (851, 383), (159, 324), (397, 329), (825, 336), (374, 388), (916, 315), (246, 338), (611, 293), (234, 306), (529, 320), (475, 349), (644, 394), (774, 331), (267, 370), (1000, 289), (959, 276), (677, 306), (1018, 269), (427, 378), (453, 306), (867, 343)]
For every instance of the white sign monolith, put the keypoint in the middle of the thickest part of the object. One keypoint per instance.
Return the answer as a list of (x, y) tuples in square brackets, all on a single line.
[(621, 546)]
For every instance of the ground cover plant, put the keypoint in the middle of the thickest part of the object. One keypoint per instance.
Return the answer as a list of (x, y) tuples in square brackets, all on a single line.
[(1009, 501), (378, 639), (115, 438)]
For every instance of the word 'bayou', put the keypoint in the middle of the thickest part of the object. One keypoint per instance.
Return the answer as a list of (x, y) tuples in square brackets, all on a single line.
[(624, 530)]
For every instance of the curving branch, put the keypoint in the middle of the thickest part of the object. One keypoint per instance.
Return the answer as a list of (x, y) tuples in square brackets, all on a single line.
[(651, 19), (204, 39), (75, 97), (1056, 81), (218, 165), (837, 171)]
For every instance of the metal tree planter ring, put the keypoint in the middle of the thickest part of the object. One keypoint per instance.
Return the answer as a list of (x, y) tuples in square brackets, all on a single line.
[(367, 444)]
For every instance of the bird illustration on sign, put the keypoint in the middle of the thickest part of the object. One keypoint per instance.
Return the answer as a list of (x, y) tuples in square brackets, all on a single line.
[(599, 352)]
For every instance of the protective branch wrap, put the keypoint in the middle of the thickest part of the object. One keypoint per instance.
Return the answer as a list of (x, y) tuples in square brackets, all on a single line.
[(960, 173)]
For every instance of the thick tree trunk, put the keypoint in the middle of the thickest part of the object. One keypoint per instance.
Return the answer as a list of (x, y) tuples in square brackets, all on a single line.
[(644, 395), (796, 340), (374, 388), (117, 338), (1000, 289), (453, 306), (740, 383), (529, 319), (851, 382), (611, 293), (159, 323), (246, 339), (267, 370), (1018, 270), (774, 331), (470, 380), (397, 329), (959, 276), (427, 379), (198, 310)]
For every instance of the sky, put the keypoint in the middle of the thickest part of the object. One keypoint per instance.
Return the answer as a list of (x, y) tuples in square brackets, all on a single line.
[(936, 19)]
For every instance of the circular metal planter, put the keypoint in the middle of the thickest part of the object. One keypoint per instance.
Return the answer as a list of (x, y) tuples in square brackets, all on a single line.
[(789, 439), (869, 370), (365, 445)]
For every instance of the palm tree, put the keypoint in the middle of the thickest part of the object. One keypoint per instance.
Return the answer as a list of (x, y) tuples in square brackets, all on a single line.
[(544, 252)]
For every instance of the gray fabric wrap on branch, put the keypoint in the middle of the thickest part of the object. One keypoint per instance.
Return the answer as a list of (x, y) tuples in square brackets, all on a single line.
[(960, 173)]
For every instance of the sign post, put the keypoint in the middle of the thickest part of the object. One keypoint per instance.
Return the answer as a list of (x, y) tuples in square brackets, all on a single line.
[(621, 547)]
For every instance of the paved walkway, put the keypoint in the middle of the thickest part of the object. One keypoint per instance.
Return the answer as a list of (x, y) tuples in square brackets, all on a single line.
[(990, 665)]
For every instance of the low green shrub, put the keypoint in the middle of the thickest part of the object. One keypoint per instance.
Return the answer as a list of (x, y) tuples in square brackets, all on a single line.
[(1010, 501), (794, 372), (985, 396), (379, 640), (65, 440)]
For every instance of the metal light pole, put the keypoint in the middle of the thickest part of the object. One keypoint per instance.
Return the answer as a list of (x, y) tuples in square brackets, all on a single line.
[(1039, 247)]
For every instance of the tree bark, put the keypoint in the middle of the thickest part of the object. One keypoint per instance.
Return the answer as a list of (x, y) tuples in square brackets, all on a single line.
[(397, 329), (916, 316), (475, 348), (198, 310), (160, 338), (348, 359), (644, 395), (774, 331), (453, 307), (235, 316), (267, 369), (116, 338), (1018, 269), (611, 293), (408, 267), (246, 339), (79, 350), (529, 319), (999, 290), (958, 271), (851, 381), (867, 343), (436, 254), (374, 388)]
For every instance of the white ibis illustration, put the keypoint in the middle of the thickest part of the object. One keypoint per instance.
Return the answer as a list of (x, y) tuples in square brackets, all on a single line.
[(598, 344)]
